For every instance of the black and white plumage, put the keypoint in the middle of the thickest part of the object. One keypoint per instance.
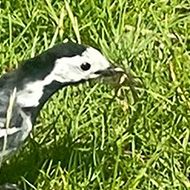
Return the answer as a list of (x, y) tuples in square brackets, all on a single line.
[(36, 80)]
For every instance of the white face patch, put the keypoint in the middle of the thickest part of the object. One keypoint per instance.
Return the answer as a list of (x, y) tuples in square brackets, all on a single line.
[(69, 68), (66, 70)]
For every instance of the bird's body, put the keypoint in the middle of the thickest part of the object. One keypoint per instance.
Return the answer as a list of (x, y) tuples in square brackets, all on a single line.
[(36, 80), (20, 124)]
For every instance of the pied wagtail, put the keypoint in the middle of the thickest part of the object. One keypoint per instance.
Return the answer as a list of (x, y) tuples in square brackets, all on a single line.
[(36, 80)]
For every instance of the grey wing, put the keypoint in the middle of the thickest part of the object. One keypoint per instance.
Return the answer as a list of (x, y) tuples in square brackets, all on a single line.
[(11, 137)]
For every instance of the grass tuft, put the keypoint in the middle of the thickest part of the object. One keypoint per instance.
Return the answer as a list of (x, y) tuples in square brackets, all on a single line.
[(81, 140)]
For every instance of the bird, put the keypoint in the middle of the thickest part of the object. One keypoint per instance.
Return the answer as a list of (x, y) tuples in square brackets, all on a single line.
[(36, 80)]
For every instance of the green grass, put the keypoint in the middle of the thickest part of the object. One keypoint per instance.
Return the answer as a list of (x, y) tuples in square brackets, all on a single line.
[(82, 139)]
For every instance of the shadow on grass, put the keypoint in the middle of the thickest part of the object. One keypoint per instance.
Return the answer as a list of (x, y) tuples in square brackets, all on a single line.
[(28, 162)]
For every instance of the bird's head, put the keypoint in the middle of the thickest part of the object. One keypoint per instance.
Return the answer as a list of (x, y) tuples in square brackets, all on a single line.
[(75, 63), (62, 65)]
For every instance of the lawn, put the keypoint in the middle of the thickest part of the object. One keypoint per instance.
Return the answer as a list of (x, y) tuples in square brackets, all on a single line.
[(86, 137)]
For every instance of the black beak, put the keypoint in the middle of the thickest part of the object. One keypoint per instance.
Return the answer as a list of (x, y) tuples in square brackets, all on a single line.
[(110, 71)]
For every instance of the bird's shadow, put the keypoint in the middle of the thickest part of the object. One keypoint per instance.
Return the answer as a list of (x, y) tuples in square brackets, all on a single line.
[(27, 164)]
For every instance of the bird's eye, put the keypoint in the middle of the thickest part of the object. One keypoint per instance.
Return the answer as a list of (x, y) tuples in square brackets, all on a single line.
[(85, 66)]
